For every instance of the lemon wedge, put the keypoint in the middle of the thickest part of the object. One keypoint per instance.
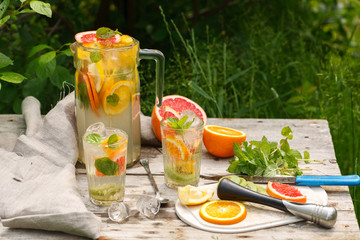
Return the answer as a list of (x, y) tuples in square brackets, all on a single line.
[(190, 195)]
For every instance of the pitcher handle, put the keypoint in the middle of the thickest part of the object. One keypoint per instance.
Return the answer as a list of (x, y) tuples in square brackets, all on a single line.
[(160, 68)]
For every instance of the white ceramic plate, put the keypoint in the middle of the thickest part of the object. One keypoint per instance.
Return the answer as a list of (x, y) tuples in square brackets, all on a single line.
[(258, 216)]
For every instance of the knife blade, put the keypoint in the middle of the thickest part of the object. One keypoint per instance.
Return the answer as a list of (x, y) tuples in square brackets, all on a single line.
[(307, 180)]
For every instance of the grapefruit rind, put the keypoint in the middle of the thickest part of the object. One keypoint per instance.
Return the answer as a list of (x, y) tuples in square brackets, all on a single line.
[(278, 190)]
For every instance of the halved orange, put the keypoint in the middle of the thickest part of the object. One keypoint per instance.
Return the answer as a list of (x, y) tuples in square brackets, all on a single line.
[(223, 212), (176, 148), (285, 191), (219, 140), (121, 92)]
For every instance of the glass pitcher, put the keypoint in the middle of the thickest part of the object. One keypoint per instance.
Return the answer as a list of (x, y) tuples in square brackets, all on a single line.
[(108, 88)]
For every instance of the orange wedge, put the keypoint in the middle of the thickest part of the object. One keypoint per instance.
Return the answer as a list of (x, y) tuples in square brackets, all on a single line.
[(285, 191), (219, 140), (223, 212)]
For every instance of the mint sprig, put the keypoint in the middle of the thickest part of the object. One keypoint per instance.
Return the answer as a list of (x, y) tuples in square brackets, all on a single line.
[(106, 33), (179, 123), (265, 158)]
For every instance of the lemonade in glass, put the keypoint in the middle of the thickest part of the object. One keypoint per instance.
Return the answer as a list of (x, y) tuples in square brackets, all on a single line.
[(181, 146), (105, 161)]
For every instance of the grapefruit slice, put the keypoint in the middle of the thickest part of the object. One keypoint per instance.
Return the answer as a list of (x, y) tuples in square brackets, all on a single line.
[(90, 37), (177, 104), (285, 191), (219, 140), (86, 37)]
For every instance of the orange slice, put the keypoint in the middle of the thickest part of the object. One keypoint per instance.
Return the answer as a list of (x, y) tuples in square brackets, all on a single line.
[(94, 101), (118, 97), (190, 195), (93, 91), (219, 140), (285, 191), (176, 148), (223, 212), (112, 152)]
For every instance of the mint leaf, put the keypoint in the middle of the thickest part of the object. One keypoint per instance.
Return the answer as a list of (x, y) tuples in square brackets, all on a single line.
[(113, 99), (287, 132), (95, 56), (188, 124), (113, 139), (182, 120), (106, 33), (94, 138), (106, 166)]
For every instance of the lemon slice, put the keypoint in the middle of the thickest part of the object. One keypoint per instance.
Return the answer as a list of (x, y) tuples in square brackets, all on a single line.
[(190, 195), (117, 99), (96, 70)]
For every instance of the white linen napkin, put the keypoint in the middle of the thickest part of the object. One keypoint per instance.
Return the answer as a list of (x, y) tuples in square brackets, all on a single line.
[(37, 179)]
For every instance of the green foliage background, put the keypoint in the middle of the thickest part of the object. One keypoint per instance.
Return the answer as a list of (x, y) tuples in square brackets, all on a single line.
[(257, 59)]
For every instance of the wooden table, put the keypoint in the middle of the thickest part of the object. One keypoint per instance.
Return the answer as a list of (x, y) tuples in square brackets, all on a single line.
[(311, 135)]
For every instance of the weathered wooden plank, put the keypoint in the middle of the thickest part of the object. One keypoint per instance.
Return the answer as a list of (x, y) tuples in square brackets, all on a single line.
[(311, 135)]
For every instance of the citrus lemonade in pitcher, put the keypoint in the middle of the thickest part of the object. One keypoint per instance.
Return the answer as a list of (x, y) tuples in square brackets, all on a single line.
[(108, 85)]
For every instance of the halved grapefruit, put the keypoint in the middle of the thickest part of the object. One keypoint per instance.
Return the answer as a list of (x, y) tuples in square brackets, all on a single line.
[(285, 191), (174, 104)]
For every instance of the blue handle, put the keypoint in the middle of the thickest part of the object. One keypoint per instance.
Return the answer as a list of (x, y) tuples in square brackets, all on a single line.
[(349, 180)]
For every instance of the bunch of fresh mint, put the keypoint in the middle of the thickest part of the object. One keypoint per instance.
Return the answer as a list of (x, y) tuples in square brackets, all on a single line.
[(265, 158)]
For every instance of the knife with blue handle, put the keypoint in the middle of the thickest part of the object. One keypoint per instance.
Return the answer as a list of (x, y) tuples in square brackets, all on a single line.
[(320, 180)]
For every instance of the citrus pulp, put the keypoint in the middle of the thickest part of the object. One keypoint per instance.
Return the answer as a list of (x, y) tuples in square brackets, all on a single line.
[(190, 195), (285, 191), (219, 140), (223, 212)]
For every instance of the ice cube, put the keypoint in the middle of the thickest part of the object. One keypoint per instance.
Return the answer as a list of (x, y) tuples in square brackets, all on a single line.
[(98, 128), (192, 117)]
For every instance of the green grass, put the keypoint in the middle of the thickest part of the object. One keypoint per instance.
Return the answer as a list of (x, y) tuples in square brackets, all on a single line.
[(284, 59)]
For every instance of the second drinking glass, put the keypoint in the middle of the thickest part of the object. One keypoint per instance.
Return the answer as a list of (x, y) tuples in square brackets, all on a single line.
[(182, 144)]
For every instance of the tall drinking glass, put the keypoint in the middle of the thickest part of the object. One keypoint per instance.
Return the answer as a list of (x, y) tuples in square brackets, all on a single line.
[(182, 154), (105, 159)]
